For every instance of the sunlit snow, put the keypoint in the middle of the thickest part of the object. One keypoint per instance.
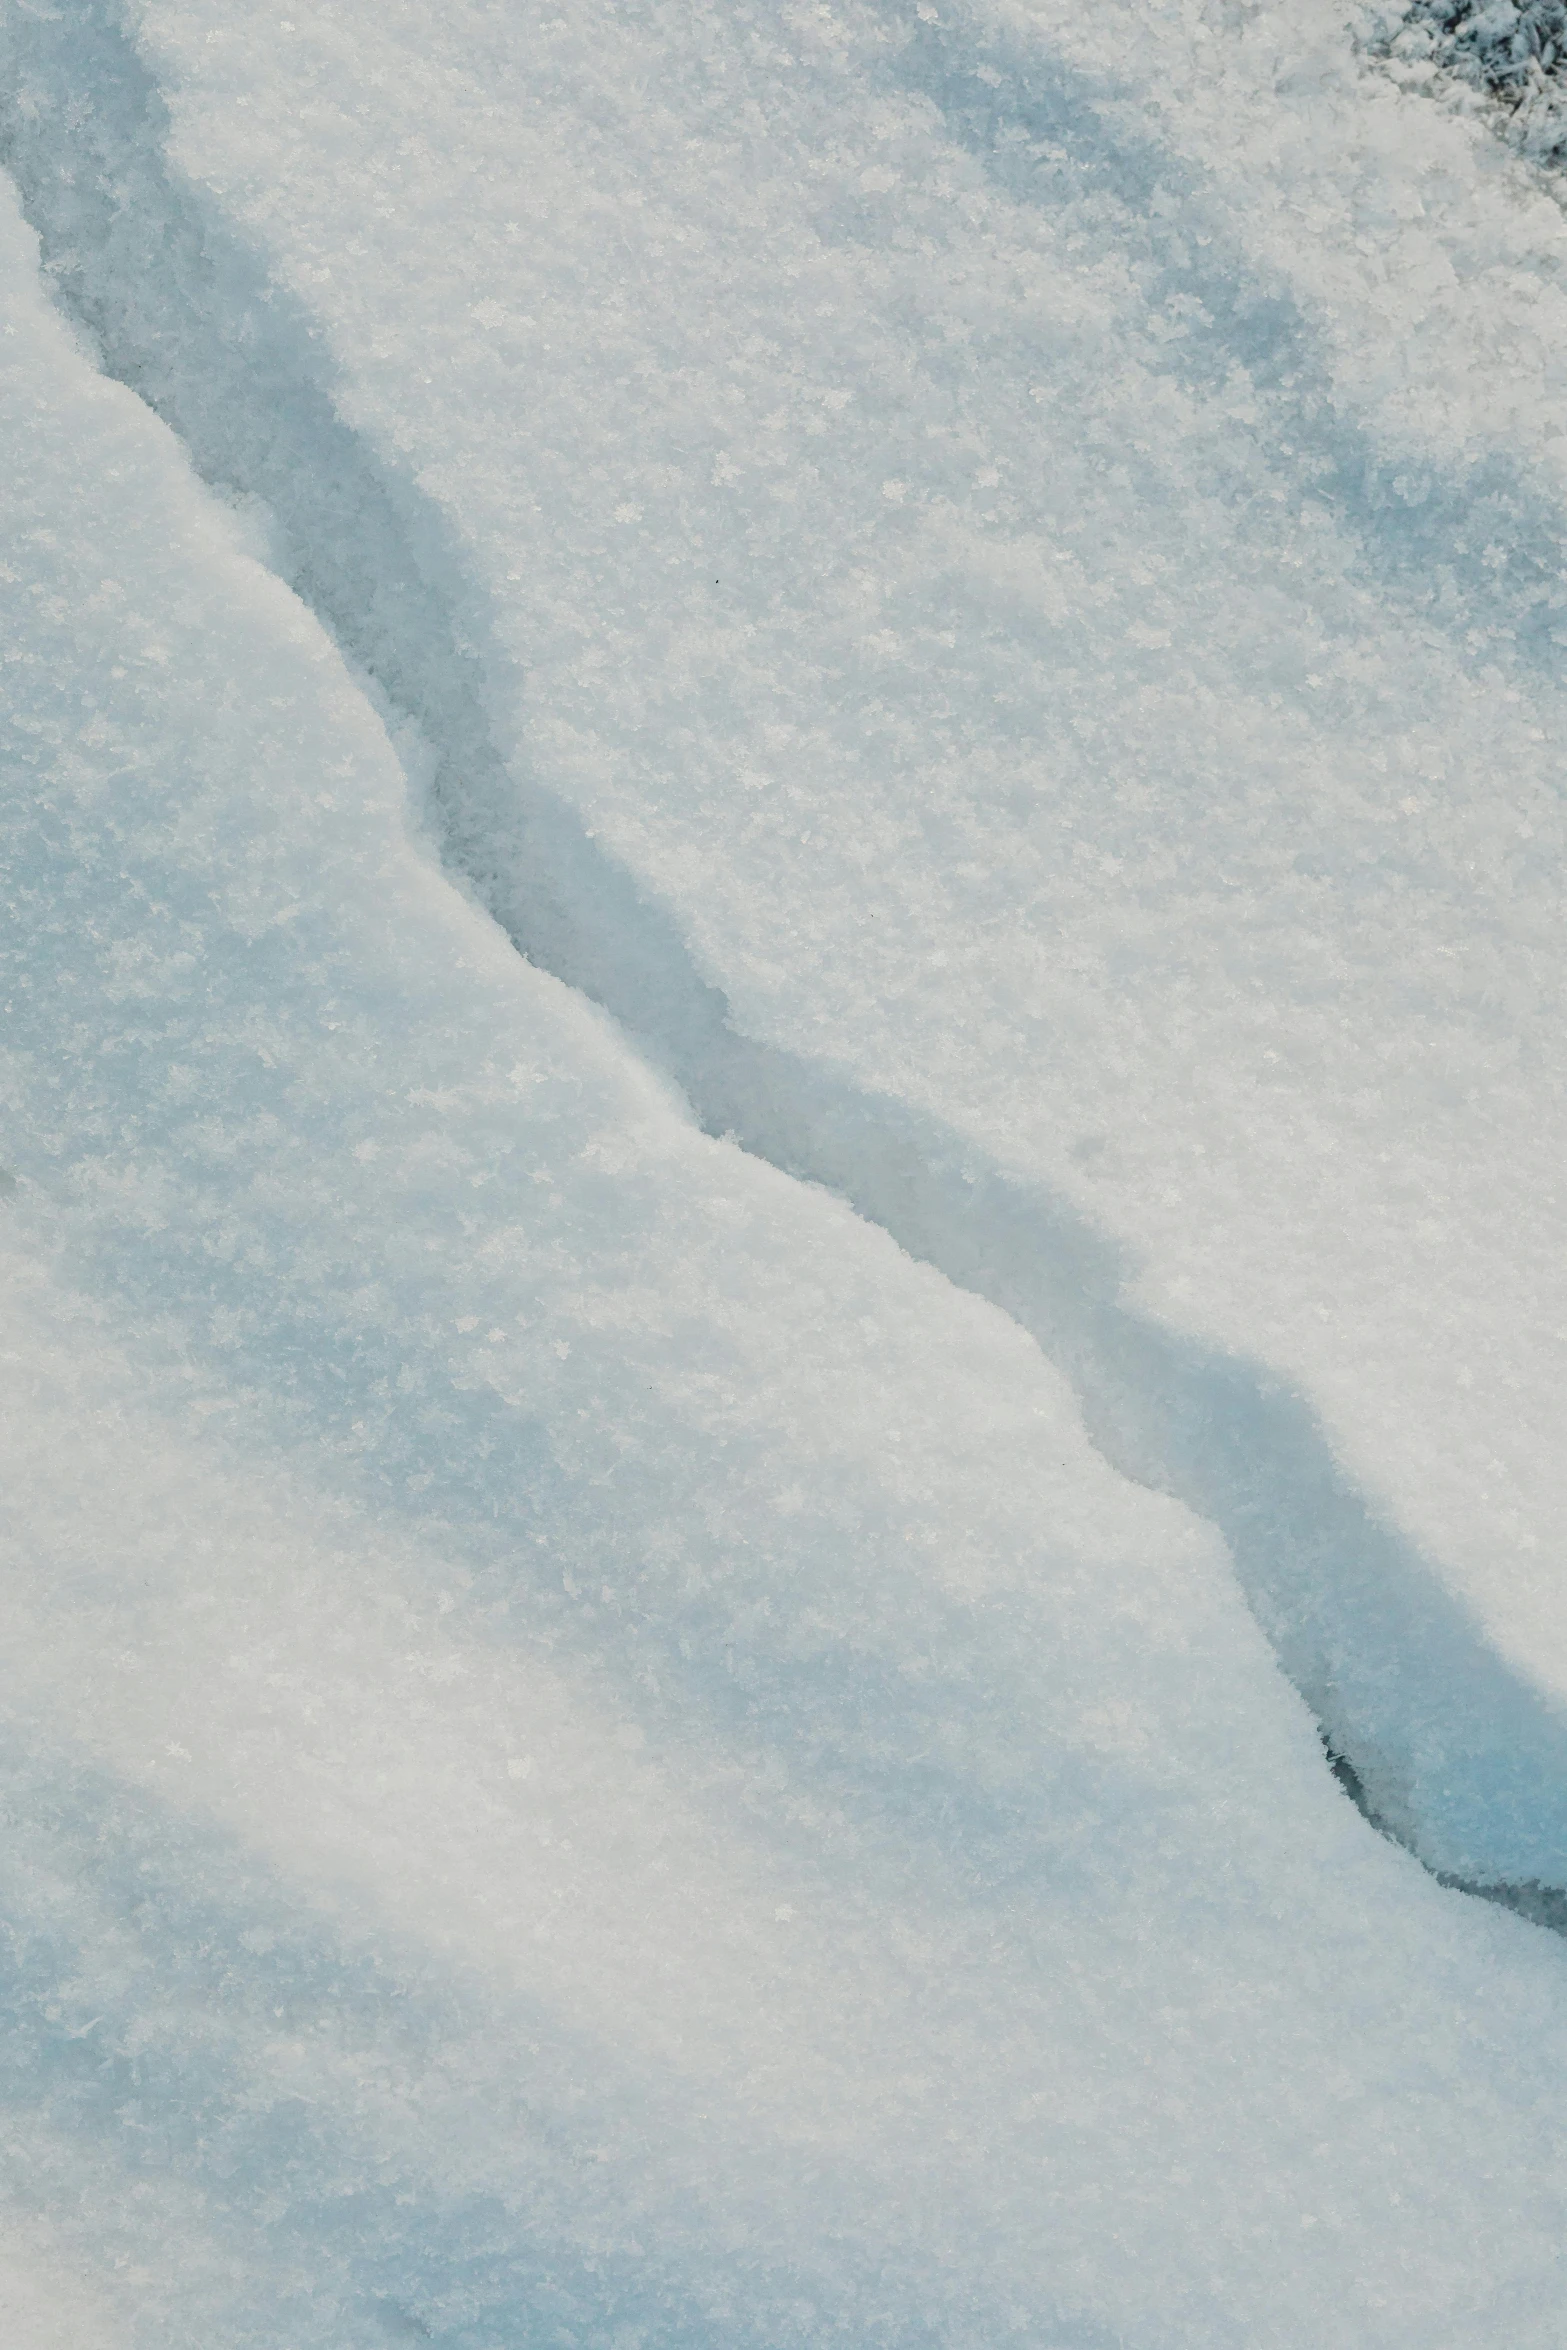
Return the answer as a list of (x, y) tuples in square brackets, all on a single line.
[(783, 1103)]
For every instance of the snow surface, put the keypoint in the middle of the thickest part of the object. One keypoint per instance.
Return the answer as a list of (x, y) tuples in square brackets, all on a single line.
[(1513, 55), (1118, 462), (602, 1743)]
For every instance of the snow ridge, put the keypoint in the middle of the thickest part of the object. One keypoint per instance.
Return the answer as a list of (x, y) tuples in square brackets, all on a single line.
[(182, 313)]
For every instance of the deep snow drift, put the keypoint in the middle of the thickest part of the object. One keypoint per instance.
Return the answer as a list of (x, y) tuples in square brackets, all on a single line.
[(595, 1749)]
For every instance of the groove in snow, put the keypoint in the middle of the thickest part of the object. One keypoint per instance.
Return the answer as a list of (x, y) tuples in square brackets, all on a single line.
[(182, 313)]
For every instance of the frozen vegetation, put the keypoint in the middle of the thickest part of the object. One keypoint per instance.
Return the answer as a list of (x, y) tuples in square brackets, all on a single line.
[(784, 1088)]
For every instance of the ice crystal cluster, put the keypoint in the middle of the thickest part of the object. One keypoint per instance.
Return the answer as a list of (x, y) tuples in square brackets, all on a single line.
[(1515, 54)]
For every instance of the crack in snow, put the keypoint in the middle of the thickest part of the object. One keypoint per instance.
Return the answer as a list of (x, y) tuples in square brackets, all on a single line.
[(185, 316)]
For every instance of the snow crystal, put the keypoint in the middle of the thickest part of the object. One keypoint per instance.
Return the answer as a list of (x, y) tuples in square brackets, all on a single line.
[(1516, 55)]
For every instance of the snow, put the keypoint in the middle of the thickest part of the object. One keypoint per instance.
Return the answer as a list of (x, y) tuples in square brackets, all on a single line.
[(1121, 468), (654, 1584), (1510, 55), (42, 2305)]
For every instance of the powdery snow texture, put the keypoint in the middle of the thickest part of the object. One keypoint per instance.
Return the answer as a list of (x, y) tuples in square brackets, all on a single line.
[(593, 1751)]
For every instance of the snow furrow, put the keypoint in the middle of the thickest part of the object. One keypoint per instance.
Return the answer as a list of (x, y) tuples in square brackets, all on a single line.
[(180, 311)]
